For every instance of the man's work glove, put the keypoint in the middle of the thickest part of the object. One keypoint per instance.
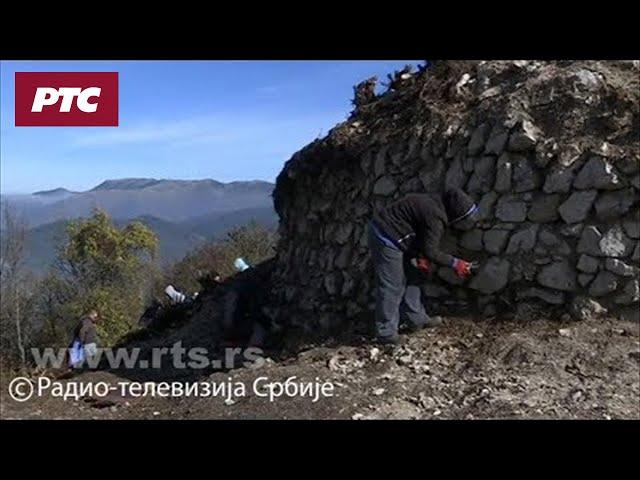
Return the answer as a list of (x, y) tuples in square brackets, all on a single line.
[(462, 267), (421, 264)]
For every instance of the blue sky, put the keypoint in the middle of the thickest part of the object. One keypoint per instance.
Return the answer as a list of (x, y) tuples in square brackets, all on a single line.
[(226, 120)]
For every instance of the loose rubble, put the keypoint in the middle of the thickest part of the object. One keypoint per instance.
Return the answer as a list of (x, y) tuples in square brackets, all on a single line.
[(464, 370)]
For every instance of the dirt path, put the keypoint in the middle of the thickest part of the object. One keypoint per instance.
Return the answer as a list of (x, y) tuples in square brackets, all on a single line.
[(464, 370)]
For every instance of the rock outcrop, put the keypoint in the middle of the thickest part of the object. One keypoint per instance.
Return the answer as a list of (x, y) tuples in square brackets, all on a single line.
[(550, 151)]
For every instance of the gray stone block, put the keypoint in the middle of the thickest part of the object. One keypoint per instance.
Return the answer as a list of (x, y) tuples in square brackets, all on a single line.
[(472, 240), (380, 162), (521, 141), (485, 206), (478, 139), (573, 230), (597, 173), (583, 308), (630, 294), (365, 162), (343, 259), (523, 240), (554, 298), (525, 176), (620, 268), (589, 242), (588, 264), (482, 178), (411, 185), (584, 279), (576, 208), (332, 283), (431, 175), (494, 240), (492, 277), (544, 208), (348, 283), (511, 209), (542, 260), (614, 243), (455, 176), (627, 164), (559, 276), (468, 163), (504, 170), (343, 232), (604, 283), (496, 142), (552, 243), (384, 186), (631, 227), (559, 180), (614, 204)]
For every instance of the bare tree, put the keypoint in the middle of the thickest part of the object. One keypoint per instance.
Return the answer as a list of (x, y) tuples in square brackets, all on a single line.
[(12, 257)]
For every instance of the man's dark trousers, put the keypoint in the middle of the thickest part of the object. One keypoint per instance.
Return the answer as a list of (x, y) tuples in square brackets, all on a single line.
[(398, 298)]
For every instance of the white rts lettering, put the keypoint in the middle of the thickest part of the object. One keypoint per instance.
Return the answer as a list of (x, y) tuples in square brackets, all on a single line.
[(47, 96)]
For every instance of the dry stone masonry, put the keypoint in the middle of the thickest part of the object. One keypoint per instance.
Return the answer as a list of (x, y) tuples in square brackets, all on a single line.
[(549, 150)]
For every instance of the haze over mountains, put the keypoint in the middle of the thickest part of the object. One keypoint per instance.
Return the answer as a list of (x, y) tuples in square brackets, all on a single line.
[(183, 213), (172, 200)]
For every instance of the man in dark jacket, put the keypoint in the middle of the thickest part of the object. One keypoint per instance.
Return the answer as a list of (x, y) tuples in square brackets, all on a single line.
[(412, 227)]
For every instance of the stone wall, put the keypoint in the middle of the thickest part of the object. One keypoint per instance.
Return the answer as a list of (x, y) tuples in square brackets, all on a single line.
[(550, 151)]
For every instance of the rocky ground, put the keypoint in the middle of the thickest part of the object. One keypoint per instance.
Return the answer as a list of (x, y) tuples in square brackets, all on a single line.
[(463, 370)]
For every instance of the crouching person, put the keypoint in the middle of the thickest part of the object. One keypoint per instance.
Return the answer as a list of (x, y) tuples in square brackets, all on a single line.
[(243, 322), (84, 346), (412, 227)]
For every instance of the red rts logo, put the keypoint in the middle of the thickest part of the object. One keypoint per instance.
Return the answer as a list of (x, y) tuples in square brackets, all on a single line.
[(78, 99)]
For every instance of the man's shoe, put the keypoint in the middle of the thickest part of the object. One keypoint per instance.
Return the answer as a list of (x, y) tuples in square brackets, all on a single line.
[(388, 340), (434, 322), (430, 323)]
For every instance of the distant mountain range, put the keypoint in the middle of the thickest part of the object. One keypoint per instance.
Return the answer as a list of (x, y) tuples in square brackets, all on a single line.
[(183, 213), (56, 193), (171, 200)]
